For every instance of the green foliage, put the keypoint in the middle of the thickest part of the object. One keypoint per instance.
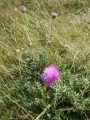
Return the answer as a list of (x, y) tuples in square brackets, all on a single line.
[(69, 98), (32, 67), (26, 49)]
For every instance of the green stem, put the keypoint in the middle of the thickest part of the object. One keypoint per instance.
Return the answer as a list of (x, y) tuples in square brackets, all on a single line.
[(51, 28)]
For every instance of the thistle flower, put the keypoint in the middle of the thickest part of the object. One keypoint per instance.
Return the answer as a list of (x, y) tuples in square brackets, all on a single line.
[(54, 15), (50, 75), (22, 8)]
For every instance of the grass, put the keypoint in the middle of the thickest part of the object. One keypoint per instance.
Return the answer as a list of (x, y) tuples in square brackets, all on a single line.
[(28, 45)]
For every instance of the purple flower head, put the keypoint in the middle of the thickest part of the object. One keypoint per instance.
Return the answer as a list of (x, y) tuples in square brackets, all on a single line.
[(22, 8), (50, 75), (54, 15)]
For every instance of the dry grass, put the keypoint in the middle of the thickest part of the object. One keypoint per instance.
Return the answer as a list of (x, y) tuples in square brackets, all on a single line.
[(30, 32)]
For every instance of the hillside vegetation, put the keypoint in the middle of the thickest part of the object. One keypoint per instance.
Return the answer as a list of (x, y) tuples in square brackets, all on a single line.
[(33, 40)]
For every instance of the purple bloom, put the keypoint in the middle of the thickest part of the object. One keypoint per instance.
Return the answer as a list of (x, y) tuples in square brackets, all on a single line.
[(50, 75), (54, 15), (22, 8)]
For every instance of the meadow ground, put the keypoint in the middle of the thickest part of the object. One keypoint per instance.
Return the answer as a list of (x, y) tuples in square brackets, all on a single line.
[(31, 41)]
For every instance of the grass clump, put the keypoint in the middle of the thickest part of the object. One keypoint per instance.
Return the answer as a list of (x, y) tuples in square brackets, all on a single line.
[(29, 42)]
